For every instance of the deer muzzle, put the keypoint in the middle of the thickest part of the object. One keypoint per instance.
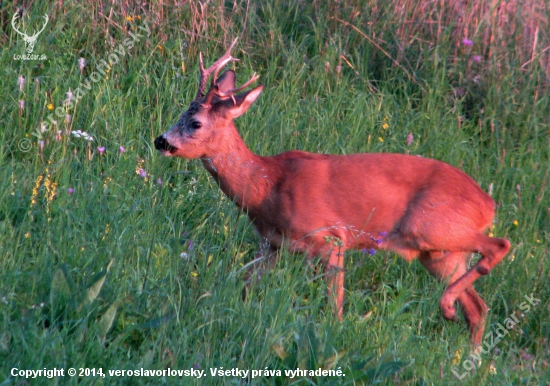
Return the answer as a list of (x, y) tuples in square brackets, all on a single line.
[(162, 145)]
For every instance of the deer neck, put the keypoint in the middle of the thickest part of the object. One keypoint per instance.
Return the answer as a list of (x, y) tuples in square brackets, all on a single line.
[(242, 175)]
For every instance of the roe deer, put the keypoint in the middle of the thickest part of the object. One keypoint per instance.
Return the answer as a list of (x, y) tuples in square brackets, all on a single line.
[(322, 205)]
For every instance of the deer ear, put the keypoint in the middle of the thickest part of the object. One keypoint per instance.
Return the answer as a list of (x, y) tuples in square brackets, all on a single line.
[(226, 81), (244, 101)]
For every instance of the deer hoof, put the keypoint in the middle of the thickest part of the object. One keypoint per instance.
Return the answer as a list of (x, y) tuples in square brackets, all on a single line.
[(448, 309)]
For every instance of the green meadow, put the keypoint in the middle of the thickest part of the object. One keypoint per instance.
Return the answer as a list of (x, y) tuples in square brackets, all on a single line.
[(113, 257)]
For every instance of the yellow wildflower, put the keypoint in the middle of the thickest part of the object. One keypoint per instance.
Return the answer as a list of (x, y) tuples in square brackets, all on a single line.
[(129, 18), (381, 139), (50, 106), (516, 223), (52, 192), (106, 181), (457, 356), (106, 231), (35, 189), (50, 187)]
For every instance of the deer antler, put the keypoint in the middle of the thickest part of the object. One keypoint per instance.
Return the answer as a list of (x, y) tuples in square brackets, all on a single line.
[(44, 26), (13, 19), (230, 93), (214, 88), (203, 77), (16, 16)]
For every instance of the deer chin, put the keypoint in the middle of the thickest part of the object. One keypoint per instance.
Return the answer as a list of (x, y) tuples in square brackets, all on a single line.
[(167, 153), (187, 154)]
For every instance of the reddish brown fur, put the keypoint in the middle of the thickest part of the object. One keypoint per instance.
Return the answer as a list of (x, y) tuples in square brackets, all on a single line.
[(417, 207)]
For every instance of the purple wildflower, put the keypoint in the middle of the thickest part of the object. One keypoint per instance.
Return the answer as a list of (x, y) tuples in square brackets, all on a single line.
[(70, 190), (371, 251), (190, 245), (476, 58), (142, 173), (122, 149), (467, 42), (197, 365), (21, 82), (81, 64), (159, 181), (101, 150), (410, 139), (383, 234), (526, 356), (70, 96), (377, 241)]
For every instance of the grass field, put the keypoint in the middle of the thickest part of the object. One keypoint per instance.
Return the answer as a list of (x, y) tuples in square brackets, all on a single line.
[(114, 257)]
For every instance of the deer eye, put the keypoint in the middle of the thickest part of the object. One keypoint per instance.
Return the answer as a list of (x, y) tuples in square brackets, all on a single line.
[(195, 125)]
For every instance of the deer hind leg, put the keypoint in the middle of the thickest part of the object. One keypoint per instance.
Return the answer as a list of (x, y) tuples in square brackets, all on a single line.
[(452, 266), (475, 311), (492, 251)]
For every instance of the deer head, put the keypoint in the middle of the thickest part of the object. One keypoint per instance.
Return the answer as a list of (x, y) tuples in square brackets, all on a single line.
[(30, 41), (208, 122)]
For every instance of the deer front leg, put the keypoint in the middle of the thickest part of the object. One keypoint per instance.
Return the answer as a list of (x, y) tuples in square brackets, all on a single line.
[(335, 281), (264, 259)]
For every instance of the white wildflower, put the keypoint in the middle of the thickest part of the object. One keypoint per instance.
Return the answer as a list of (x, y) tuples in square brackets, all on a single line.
[(82, 134)]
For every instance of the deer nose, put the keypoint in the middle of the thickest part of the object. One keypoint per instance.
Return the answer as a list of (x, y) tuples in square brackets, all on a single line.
[(162, 144)]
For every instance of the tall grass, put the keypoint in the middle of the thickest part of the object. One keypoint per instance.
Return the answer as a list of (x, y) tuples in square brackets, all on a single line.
[(123, 259)]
